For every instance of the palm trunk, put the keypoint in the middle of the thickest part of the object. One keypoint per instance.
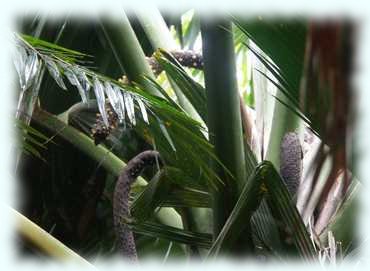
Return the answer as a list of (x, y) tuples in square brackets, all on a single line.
[(224, 121)]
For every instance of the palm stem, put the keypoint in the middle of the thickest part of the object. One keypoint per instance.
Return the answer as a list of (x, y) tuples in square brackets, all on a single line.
[(224, 121), (45, 241), (128, 52)]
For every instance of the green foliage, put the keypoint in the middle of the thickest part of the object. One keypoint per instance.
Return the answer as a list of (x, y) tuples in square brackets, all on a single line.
[(221, 177), (283, 42), (193, 91), (264, 181), (30, 138)]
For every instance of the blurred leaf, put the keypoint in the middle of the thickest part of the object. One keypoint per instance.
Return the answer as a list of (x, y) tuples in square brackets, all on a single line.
[(283, 42), (342, 223), (31, 69), (191, 25), (20, 63)]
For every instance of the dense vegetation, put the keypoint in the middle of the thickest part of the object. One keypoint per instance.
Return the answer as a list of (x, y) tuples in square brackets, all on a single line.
[(216, 98)]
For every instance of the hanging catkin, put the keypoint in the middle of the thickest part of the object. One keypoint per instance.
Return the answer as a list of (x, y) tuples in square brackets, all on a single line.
[(291, 161), (121, 211)]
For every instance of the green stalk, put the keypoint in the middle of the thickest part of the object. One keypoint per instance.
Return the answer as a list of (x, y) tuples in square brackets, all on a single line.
[(155, 28), (108, 160), (46, 242), (159, 36), (128, 51), (224, 121)]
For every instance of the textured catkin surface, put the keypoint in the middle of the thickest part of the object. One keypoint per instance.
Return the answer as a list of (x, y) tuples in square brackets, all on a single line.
[(99, 131), (291, 161), (121, 212), (187, 58)]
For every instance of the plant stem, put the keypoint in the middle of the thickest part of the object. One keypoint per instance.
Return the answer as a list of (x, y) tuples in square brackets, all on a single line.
[(46, 242), (128, 52), (224, 121)]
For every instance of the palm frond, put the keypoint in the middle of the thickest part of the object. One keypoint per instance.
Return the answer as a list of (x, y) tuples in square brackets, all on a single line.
[(122, 98), (193, 91), (283, 42), (265, 180)]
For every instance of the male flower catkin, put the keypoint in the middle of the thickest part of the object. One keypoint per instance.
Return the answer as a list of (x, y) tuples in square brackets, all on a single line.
[(291, 161), (121, 211)]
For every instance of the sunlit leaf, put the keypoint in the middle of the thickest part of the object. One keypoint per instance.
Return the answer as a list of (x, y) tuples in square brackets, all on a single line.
[(31, 69), (54, 72), (100, 99), (118, 93), (74, 81), (143, 110), (129, 103), (84, 81), (20, 64), (113, 99)]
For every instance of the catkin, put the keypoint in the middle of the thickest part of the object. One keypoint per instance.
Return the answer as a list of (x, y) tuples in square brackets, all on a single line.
[(291, 161), (121, 211)]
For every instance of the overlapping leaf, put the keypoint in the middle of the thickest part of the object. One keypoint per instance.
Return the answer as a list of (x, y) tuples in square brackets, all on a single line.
[(193, 91), (265, 180)]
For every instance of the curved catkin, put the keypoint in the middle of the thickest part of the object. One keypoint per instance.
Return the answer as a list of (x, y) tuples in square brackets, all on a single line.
[(134, 167), (291, 161)]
